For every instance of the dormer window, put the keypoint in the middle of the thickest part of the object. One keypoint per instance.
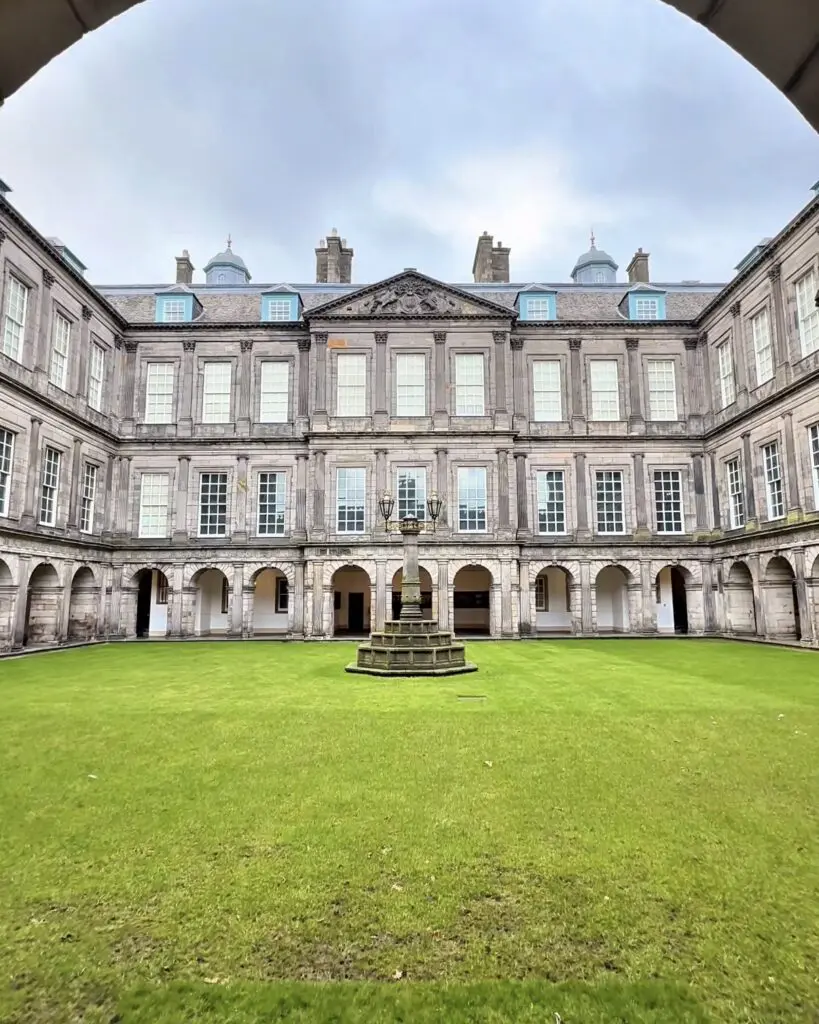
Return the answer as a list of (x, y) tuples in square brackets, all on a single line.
[(646, 305), (538, 306), (281, 306), (173, 311), (175, 308)]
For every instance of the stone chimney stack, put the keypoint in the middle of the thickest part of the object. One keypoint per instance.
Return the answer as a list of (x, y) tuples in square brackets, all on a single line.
[(334, 260), (184, 268), (638, 268), (491, 261)]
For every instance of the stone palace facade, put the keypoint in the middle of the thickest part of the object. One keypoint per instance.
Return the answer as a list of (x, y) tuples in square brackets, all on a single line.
[(199, 459)]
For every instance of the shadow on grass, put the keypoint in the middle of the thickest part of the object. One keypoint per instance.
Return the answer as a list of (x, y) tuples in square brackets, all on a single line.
[(351, 1003)]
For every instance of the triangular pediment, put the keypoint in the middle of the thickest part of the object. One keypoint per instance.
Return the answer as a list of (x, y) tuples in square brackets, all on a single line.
[(409, 295)]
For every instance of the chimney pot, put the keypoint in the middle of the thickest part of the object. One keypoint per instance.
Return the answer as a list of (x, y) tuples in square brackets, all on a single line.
[(638, 269), (184, 268)]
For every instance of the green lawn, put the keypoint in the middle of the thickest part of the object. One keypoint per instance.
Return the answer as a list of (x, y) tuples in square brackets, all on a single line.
[(620, 831)]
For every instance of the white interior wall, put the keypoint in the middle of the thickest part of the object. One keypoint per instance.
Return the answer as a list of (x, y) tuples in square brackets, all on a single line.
[(665, 606), (158, 623), (209, 603), (612, 600), (558, 616), (265, 617)]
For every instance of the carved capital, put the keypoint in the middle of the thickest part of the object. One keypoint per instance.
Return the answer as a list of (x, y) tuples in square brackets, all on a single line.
[(736, 309), (439, 337), (320, 337), (130, 346), (703, 338), (303, 344), (500, 337), (502, 452), (188, 346), (87, 313), (575, 343), (246, 345), (775, 272), (49, 280), (3, 236), (632, 344), (692, 342), (381, 337), (520, 455), (516, 343), (118, 342)]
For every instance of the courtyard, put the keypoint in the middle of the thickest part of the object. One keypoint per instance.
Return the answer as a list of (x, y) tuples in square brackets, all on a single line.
[(604, 830)]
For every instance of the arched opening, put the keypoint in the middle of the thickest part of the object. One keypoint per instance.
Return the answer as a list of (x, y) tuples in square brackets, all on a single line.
[(351, 601), (212, 603), (552, 601), (426, 593), (83, 605), (781, 601), (739, 600), (42, 607), (271, 600), (671, 598), (611, 591), (7, 592), (471, 599), (152, 603)]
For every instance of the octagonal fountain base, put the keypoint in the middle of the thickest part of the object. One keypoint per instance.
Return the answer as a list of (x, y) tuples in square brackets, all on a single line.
[(411, 647)]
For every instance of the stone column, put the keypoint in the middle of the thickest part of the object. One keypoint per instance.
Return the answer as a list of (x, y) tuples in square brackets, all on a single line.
[(300, 532), (236, 599), (111, 474), (520, 419), (298, 599), (583, 532), (704, 364), (175, 597), (715, 492), (124, 489), (576, 607), (128, 386), (698, 470), (522, 495), (381, 484), (441, 483), (317, 597), (33, 475), (636, 607), (42, 345), (18, 621), (748, 477), (73, 496), (806, 624), (636, 418), (381, 410), (84, 354), (708, 605), (649, 616), (781, 337), (792, 471), (506, 598), (186, 388), (641, 522), (586, 597), (303, 397), (328, 611), (503, 488), (526, 624), (319, 345), (740, 357), (102, 601), (319, 523), (575, 390), (441, 413), (180, 532), (379, 612), (116, 627), (501, 340), (444, 621), (694, 389), (239, 531), (759, 605), (248, 596), (244, 388)]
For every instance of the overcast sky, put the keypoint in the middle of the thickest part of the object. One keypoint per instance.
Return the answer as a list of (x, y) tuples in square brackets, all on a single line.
[(411, 126)]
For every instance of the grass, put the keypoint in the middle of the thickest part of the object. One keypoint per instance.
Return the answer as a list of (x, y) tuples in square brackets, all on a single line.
[(621, 831)]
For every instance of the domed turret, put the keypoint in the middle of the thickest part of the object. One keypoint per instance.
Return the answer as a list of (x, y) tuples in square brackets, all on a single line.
[(595, 267), (227, 268)]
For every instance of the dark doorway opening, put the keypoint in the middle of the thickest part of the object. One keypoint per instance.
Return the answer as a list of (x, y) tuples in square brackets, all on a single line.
[(355, 613), (796, 620), (143, 616), (679, 601)]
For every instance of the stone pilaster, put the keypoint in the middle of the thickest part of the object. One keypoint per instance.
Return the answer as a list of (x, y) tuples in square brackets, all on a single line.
[(636, 418), (298, 600), (303, 396), (791, 470), (244, 388), (381, 410), (694, 376), (648, 617), (575, 390), (503, 489), (300, 527), (317, 595), (586, 619), (781, 335), (501, 339), (442, 483), (521, 489), (751, 521), (319, 484), (443, 595), (712, 463), (111, 474), (441, 412), (806, 620), (236, 600), (128, 387), (18, 620), (73, 495), (379, 613), (700, 506), (740, 357), (185, 389), (239, 533), (527, 626), (381, 483), (520, 391), (180, 531), (42, 345), (84, 354), (319, 349), (123, 494), (709, 610), (33, 475), (641, 530), (506, 598)]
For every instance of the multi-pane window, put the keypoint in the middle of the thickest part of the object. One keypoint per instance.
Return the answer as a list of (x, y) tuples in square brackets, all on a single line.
[(736, 499), (270, 504), (96, 376), (225, 596), (153, 505), (662, 389), (538, 309), (807, 314), (609, 495), (546, 390), (668, 500), (174, 311), (274, 397), (469, 386), (605, 392), (350, 500), (279, 309), (412, 493), (6, 456), (763, 347), (14, 320), (282, 594), (551, 501), (161, 588), (472, 499), (213, 504), (49, 483), (814, 456), (410, 385), (351, 397), (646, 309), (542, 593), (216, 392), (159, 393), (773, 480), (89, 497), (727, 387), (61, 344)]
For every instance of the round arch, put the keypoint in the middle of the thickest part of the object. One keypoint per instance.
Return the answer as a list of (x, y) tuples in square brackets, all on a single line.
[(472, 587), (83, 604), (740, 606), (674, 592), (780, 600), (352, 596), (43, 606), (8, 592), (777, 39), (552, 584), (611, 598)]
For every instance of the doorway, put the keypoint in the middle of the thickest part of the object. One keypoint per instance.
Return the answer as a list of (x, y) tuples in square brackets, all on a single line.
[(355, 613), (679, 601), (143, 615)]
